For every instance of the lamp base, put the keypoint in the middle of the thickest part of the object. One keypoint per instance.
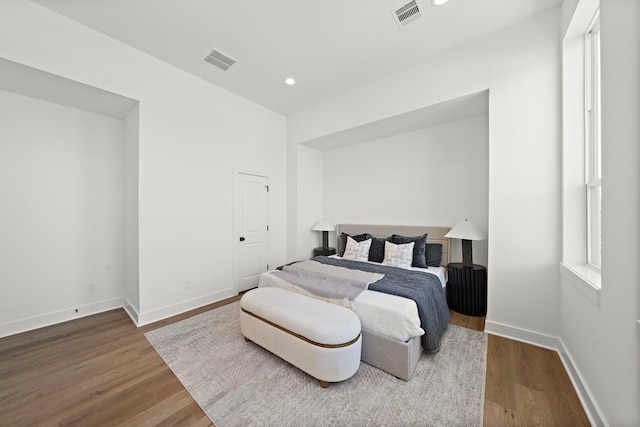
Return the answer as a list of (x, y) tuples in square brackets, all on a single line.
[(325, 239), (467, 257)]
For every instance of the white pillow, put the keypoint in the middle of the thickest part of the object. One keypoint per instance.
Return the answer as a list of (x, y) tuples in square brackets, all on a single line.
[(357, 251), (398, 255)]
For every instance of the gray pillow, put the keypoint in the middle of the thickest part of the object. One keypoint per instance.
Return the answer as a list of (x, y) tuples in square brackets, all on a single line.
[(376, 252), (434, 254), (419, 248)]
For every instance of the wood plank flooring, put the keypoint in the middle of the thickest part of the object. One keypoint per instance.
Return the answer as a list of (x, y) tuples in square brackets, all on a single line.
[(101, 371)]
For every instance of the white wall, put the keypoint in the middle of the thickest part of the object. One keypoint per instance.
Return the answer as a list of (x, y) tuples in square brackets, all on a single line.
[(521, 68), (601, 339), (310, 201), (131, 194), (434, 176), (191, 135), (62, 227)]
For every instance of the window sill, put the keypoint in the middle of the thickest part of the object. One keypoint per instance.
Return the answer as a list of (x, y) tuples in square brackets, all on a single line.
[(585, 278)]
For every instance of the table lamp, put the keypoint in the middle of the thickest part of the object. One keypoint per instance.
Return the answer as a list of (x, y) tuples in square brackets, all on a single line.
[(325, 226), (467, 232)]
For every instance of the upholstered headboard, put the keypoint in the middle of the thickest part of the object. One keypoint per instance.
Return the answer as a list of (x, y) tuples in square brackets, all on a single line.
[(434, 234)]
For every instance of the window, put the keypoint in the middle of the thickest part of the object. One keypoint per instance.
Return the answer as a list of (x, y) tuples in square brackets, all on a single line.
[(593, 143), (581, 152)]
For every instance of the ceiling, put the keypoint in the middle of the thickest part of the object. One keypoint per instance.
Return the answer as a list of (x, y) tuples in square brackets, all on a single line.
[(328, 47)]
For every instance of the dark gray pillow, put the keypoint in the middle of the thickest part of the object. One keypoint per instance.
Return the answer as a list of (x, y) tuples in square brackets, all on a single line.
[(376, 252), (434, 254), (419, 248), (357, 238)]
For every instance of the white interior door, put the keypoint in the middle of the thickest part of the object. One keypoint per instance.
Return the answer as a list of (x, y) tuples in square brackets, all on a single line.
[(251, 218)]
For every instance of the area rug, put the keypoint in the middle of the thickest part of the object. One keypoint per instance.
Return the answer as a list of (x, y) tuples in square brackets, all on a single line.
[(238, 383)]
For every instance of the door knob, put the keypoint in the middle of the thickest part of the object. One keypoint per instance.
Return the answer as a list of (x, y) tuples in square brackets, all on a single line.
[(242, 239)]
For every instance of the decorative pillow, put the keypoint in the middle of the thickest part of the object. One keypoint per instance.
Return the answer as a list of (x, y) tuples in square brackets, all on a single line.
[(419, 249), (376, 253), (357, 238), (357, 251), (398, 255), (434, 254)]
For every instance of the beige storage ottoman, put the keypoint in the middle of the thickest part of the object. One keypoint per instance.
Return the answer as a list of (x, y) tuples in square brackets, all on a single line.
[(320, 338)]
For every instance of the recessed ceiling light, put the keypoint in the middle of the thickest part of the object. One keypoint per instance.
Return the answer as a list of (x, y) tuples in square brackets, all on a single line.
[(289, 81), (439, 2)]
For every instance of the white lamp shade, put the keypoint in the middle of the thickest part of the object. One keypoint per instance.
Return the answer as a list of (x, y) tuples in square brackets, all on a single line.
[(467, 231), (324, 225)]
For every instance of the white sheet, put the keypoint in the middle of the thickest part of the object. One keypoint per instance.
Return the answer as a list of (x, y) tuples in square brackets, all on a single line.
[(389, 315)]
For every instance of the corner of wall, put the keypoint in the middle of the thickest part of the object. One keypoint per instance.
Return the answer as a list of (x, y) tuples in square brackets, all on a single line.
[(131, 311), (555, 344), (148, 317)]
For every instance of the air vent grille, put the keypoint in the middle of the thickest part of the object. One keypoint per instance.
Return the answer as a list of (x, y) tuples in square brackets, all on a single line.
[(407, 13), (219, 60)]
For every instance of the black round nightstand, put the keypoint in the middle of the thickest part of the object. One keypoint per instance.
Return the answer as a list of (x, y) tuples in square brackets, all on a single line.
[(324, 251), (467, 289)]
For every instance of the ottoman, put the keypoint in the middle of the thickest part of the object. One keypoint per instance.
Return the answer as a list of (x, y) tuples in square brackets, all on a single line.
[(320, 338)]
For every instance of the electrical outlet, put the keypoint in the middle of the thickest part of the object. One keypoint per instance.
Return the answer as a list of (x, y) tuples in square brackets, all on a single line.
[(187, 284), (92, 286)]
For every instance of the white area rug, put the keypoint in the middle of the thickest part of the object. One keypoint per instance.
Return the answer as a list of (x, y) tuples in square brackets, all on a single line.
[(238, 383)]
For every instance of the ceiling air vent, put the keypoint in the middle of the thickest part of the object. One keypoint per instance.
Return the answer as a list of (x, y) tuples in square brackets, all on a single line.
[(407, 13), (219, 60)]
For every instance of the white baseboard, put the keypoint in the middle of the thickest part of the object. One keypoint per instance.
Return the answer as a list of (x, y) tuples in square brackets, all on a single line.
[(131, 311), (584, 393), (175, 309), (40, 321), (522, 335), (139, 319), (553, 343)]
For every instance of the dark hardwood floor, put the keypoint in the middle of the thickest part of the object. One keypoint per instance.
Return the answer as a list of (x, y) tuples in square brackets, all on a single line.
[(100, 370)]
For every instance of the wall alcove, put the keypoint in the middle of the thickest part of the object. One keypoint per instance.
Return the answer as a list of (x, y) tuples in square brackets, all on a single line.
[(428, 166), (70, 221)]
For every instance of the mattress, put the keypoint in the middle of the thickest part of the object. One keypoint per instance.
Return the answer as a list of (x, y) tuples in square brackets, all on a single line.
[(388, 315)]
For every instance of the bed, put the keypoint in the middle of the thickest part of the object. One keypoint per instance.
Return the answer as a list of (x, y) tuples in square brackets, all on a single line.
[(396, 325)]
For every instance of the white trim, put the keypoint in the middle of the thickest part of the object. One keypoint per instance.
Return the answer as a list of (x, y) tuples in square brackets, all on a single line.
[(587, 279), (593, 140), (71, 313), (591, 409), (131, 311), (581, 19), (250, 171), (42, 321), (522, 335), (593, 412), (175, 309)]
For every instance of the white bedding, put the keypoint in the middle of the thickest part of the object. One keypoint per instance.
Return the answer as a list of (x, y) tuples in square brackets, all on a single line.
[(389, 315)]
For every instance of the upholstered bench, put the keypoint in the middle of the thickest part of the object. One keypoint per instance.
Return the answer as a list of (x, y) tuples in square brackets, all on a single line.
[(320, 338)]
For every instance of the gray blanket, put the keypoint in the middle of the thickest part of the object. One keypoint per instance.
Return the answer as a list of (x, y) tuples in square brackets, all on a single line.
[(425, 289), (327, 281)]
